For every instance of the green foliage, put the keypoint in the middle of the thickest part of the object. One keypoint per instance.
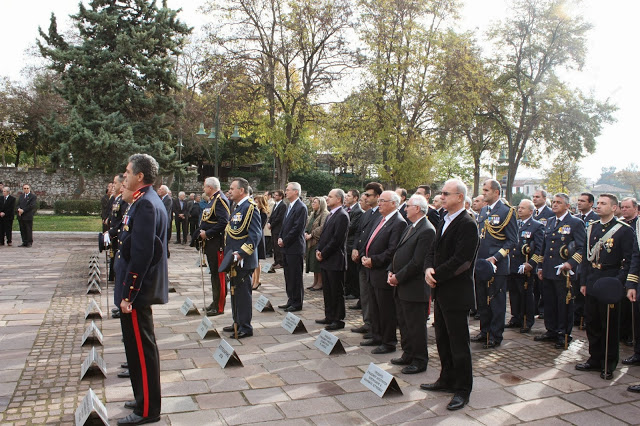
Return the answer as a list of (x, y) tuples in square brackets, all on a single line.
[(77, 207), (116, 78), (315, 183), (517, 197)]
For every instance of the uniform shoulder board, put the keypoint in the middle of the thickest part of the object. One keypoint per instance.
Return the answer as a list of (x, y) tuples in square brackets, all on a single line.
[(622, 222), (252, 201)]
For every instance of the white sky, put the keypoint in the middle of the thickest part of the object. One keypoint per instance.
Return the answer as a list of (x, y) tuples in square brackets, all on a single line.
[(608, 73)]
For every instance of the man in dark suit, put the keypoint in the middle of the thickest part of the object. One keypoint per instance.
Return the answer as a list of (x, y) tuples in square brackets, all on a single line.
[(167, 201), (352, 207), (376, 257), (402, 193), (411, 293), (8, 205), (26, 210), (181, 212), (331, 253), (242, 236), (560, 259), (371, 194), (523, 262), (142, 281), (449, 273), (193, 214), (275, 224), (291, 242), (432, 214), (541, 214), (498, 236), (211, 235), (105, 203)]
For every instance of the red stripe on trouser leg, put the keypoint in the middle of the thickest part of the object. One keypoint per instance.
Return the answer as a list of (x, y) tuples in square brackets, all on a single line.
[(223, 284), (143, 363)]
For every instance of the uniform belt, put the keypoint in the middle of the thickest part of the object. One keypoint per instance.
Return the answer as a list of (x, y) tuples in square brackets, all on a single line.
[(603, 267)]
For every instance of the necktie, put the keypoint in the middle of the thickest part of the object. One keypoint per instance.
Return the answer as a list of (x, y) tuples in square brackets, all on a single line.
[(408, 234), (537, 212), (489, 210), (584, 217), (375, 232)]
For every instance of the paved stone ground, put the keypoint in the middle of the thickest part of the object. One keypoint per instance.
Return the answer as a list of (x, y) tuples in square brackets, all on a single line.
[(285, 379)]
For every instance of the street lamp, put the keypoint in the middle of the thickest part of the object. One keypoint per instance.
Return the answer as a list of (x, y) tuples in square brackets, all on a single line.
[(179, 147)]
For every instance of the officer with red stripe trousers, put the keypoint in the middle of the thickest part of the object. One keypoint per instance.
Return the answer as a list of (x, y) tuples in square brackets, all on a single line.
[(141, 281)]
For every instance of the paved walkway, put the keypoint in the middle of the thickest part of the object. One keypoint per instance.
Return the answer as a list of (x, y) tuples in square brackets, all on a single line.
[(285, 379)]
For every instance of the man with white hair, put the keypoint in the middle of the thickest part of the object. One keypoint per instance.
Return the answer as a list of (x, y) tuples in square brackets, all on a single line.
[(163, 193), (376, 257), (181, 215), (215, 217)]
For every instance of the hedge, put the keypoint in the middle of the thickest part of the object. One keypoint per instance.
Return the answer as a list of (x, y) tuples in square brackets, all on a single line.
[(77, 207)]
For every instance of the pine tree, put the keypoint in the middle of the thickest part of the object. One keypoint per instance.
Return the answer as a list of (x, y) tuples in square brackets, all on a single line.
[(117, 77)]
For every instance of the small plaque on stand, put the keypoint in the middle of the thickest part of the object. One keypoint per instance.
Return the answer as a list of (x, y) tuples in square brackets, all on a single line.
[(263, 304), (93, 310), (226, 356), (93, 363), (379, 381), (266, 267), (206, 329), (293, 324), (92, 334), (188, 308), (94, 288), (91, 408), (329, 343)]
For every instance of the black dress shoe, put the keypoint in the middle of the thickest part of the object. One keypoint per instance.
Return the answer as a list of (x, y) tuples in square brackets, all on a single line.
[(457, 402), (124, 374), (525, 330), (586, 366), (367, 336), (323, 321), (285, 306), (370, 342), (292, 309), (211, 312), (124, 365), (511, 325), (337, 325), (414, 369), (383, 349), (115, 314), (271, 271), (634, 388), (227, 328), (476, 317), (632, 360), (356, 306), (541, 316), (114, 310), (479, 338), (560, 343), (134, 419), (363, 329), (350, 297), (435, 387), (401, 361), (131, 405), (545, 337), (628, 342), (490, 344), (609, 375), (241, 335)]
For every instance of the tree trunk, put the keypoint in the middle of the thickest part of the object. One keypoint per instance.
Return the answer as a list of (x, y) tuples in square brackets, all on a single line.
[(17, 158)]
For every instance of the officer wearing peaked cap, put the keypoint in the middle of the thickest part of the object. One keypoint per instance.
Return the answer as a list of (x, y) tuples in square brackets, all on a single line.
[(608, 254), (562, 252), (498, 236)]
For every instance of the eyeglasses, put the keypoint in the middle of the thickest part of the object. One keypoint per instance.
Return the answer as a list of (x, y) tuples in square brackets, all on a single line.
[(383, 201), (446, 194)]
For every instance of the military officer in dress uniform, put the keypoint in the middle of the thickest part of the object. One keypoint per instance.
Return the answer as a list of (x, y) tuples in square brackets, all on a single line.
[(541, 214), (563, 250), (629, 312), (523, 261), (241, 238), (214, 220), (608, 254), (498, 236), (118, 207), (142, 281), (587, 215)]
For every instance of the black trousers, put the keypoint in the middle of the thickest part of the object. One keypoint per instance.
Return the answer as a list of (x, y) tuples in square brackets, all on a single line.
[(412, 321), (193, 225), (241, 300), (218, 291), (26, 231), (452, 340), (278, 257), (293, 266), (5, 229), (181, 229), (382, 309), (352, 279), (626, 331), (143, 359), (521, 299), (538, 295), (333, 292), (636, 325), (492, 314), (596, 324), (558, 314)]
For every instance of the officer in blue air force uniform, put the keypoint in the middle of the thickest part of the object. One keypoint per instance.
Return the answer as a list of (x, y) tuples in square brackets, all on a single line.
[(498, 236), (242, 235), (141, 281), (523, 261), (562, 252)]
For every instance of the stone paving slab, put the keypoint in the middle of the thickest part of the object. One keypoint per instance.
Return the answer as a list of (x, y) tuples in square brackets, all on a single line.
[(285, 379)]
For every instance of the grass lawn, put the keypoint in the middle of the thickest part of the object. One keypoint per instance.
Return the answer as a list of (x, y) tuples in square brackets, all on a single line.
[(63, 223)]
